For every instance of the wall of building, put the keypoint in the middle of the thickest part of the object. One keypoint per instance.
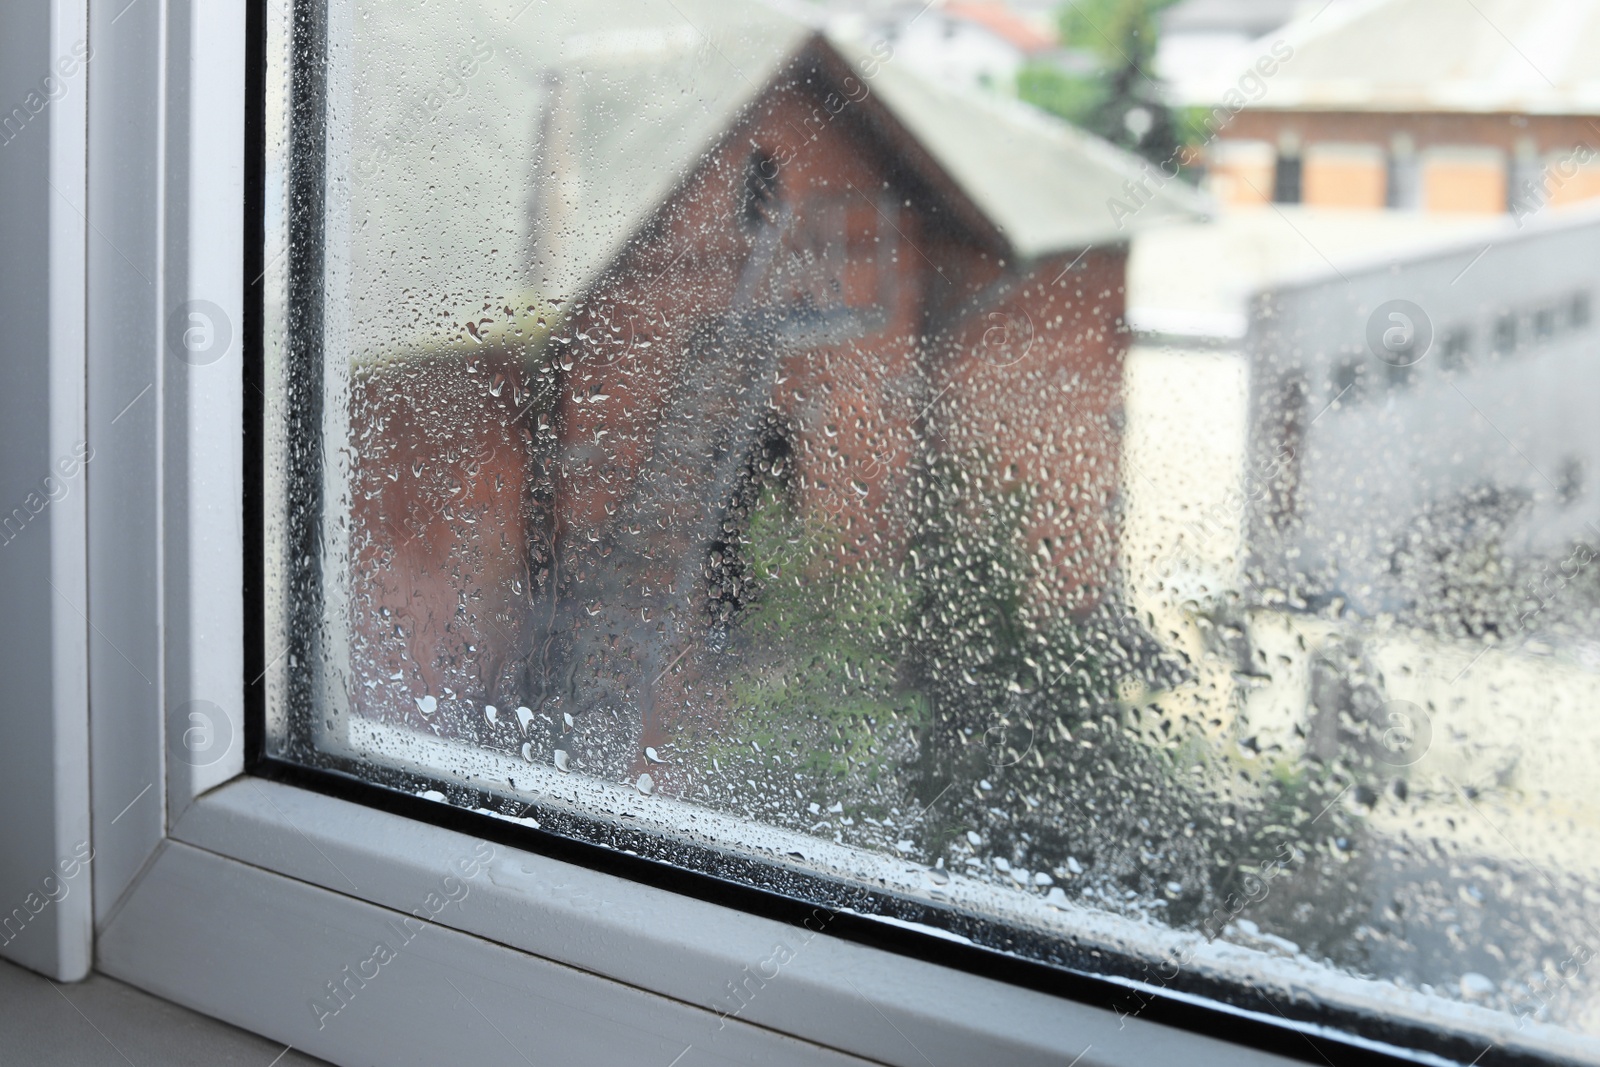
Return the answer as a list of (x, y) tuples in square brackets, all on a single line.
[(549, 517), (1495, 408), (1035, 386), (1461, 162)]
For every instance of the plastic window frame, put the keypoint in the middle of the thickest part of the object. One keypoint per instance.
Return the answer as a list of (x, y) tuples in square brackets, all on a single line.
[(254, 900)]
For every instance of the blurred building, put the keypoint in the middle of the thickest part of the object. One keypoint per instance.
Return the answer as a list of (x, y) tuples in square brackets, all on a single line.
[(1200, 37), (1410, 104), (977, 43), (1376, 442), (1361, 541), (816, 287)]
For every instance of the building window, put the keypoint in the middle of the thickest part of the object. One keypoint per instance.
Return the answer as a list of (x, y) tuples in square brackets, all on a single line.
[(1505, 333), (1455, 347), (1544, 324), (760, 188), (1350, 382), (1404, 186), (1286, 177), (1570, 479), (1526, 192)]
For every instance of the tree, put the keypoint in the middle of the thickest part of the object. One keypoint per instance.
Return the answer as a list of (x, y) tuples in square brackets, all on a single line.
[(1120, 100)]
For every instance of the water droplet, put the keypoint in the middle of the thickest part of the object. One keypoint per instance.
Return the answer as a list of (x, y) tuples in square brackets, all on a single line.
[(646, 784), (527, 751), (524, 717), (566, 717), (490, 713), (650, 754), (562, 761), (973, 839), (428, 704)]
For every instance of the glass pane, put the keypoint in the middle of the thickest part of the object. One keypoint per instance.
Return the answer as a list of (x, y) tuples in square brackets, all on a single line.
[(1110, 482)]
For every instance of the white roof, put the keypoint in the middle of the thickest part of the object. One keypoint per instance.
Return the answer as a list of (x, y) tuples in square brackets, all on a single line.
[(1196, 280), (1529, 56)]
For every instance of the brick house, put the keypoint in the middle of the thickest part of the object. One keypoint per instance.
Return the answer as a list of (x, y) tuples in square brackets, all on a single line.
[(1412, 105), (824, 285)]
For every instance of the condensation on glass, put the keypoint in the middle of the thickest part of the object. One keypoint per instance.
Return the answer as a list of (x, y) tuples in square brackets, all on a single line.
[(737, 436)]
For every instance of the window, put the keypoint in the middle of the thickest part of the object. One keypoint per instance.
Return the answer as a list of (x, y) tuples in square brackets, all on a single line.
[(760, 188), (1455, 348), (769, 502), (710, 480), (1349, 381), (1526, 182), (1403, 188), (1544, 323), (1505, 333), (1286, 179)]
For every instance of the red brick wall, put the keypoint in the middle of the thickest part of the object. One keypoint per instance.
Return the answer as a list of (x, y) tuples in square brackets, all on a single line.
[(1037, 386), (855, 405), (847, 399), (440, 539), (1020, 367)]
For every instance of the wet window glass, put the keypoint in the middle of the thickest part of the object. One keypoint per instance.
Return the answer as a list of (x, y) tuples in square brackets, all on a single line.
[(1113, 483)]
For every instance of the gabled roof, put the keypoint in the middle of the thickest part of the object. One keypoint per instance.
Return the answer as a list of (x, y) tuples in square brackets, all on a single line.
[(1529, 56), (630, 122), (1044, 183)]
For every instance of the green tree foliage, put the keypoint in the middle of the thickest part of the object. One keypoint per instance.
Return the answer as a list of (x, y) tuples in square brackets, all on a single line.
[(1007, 727), (1028, 752), (822, 644), (1121, 100)]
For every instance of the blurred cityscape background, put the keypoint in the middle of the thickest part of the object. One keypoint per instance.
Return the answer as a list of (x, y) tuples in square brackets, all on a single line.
[(1088, 448)]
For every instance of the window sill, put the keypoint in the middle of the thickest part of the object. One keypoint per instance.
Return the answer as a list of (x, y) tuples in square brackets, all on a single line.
[(653, 967)]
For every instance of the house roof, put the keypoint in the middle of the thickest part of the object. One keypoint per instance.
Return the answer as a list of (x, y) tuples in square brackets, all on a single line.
[(1044, 183), (632, 117), (1197, 281), (1528, 56), (1015, 29)]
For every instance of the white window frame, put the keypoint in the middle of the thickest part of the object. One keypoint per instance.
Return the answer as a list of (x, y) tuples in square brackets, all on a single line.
[(244, 898)]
